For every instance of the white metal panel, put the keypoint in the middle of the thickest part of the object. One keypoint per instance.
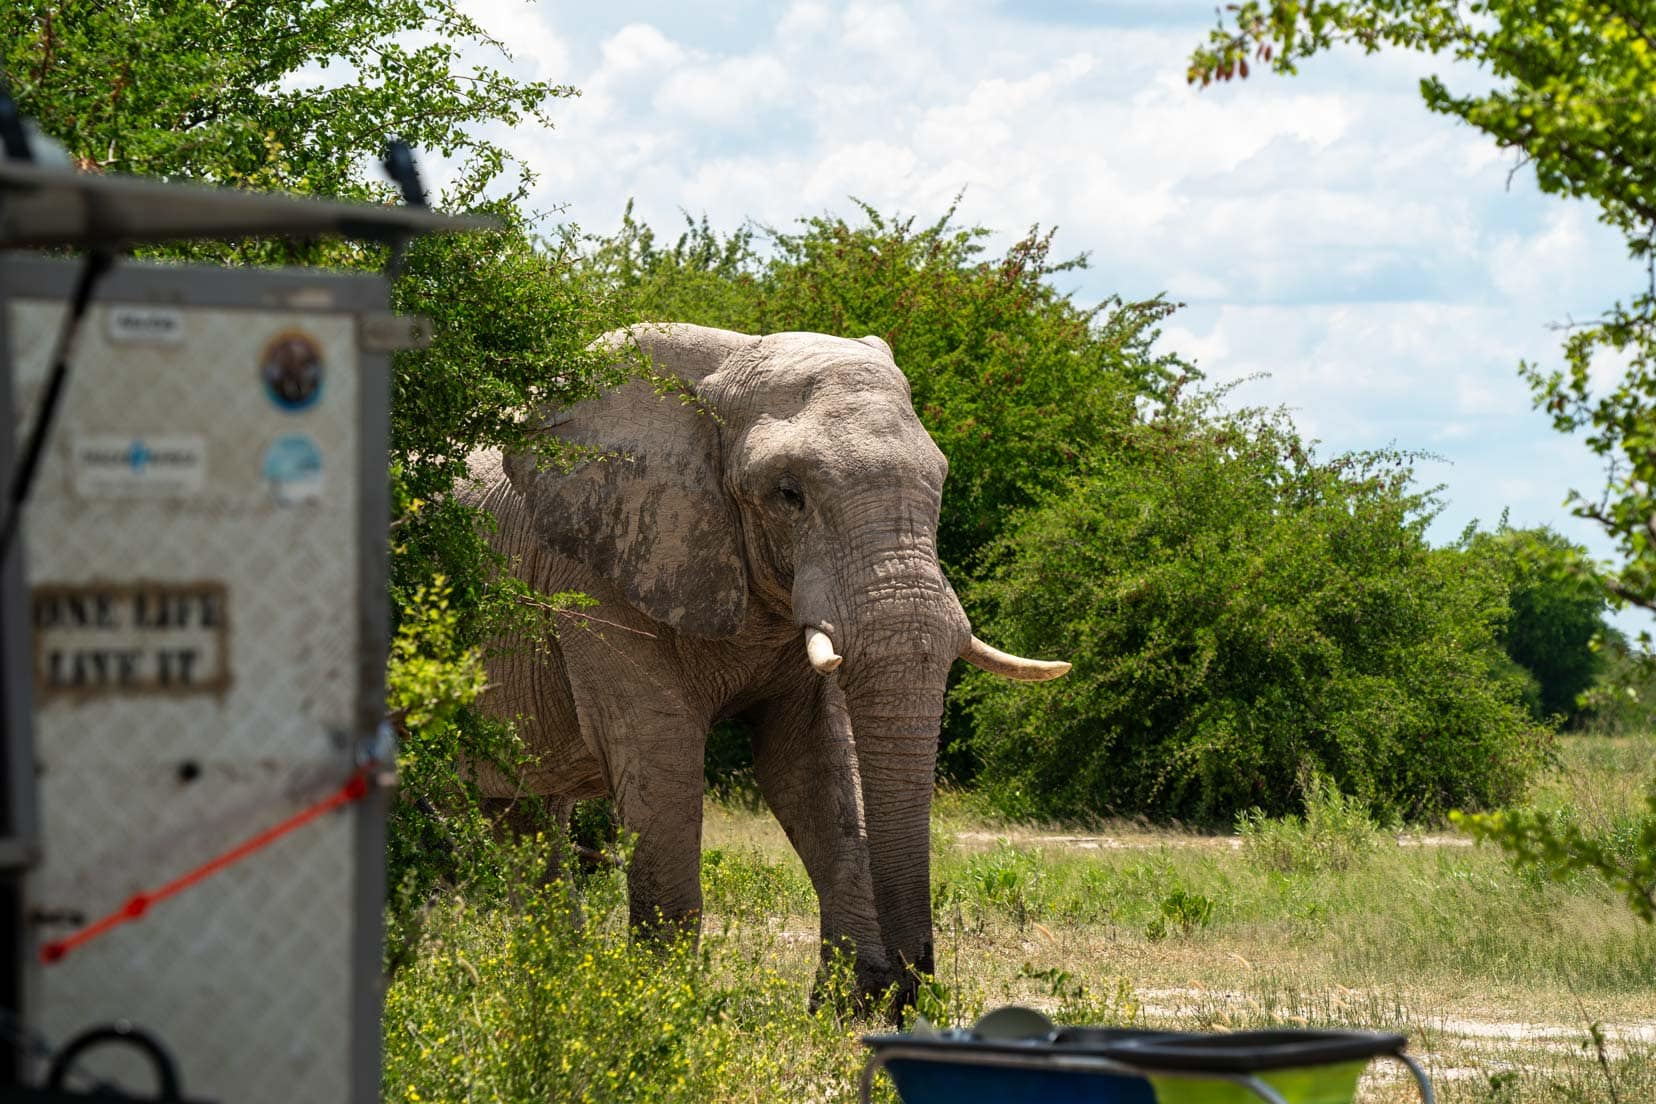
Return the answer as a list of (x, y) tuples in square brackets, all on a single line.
[(247, 976)]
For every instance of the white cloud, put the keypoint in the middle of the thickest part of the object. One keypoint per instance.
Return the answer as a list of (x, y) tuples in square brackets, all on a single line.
[(881, 29), (638, 51), (865, 169), (802, 23), (730, 91), (538, 51), (1546, 265)]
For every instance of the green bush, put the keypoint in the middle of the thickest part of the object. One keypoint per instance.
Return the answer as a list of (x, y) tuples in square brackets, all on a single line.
[(1182, 913), (1241, 616), (1555, 845), (1567, 90), (1557, 614), (1007, 880), (512, 321), (1622, 702), (545, 999), (742, 884)]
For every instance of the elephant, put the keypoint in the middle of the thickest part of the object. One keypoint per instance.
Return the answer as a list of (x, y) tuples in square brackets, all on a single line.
[(761, 546)]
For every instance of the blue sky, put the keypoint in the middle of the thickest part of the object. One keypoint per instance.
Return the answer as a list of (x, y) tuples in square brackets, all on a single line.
[(1374, 263)]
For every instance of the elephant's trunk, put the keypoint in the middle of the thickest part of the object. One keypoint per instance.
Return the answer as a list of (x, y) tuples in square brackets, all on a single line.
[(901, 630), (878, 615), (895, 713)]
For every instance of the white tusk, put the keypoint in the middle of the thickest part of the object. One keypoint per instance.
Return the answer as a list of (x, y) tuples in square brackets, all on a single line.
[(997, 662), (820, 650)]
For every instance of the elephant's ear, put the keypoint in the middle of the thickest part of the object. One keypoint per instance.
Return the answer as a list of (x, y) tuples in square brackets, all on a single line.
[(651, 514)]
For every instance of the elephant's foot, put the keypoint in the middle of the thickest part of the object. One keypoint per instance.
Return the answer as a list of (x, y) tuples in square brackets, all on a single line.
[(650, 924), (910, 977), (854, 985)]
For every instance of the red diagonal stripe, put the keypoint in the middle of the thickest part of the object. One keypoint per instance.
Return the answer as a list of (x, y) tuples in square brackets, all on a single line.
[(354, 789)]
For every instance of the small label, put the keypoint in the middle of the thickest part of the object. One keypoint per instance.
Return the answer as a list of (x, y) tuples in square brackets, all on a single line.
[(386, 333), (291, 369), (114, 466), (131, 324), (293, 470), (102, 640), (311, 298)]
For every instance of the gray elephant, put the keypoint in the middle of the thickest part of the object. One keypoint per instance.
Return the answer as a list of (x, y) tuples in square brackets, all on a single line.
[(761, 547)]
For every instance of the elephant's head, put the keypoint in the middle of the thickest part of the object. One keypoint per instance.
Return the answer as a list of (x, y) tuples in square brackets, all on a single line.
[(792, 476)]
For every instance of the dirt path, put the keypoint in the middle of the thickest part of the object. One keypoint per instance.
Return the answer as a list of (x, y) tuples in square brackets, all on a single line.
[(1461, 1046), (1149, 841), (1182, 1002)]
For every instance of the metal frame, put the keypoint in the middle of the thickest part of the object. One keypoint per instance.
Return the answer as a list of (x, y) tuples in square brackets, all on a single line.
[(1049, 1060), (48, 206), (19, 823), (374, 637), (198, 287)]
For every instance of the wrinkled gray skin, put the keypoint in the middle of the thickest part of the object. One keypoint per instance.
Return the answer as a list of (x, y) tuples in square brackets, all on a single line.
[(810, 500)]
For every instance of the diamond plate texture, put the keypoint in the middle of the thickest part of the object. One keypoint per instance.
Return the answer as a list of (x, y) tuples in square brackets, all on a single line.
[(246, 976)]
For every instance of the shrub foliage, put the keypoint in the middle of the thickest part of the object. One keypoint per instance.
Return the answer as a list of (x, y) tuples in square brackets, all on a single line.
[(1567, 88), (1242, 616)]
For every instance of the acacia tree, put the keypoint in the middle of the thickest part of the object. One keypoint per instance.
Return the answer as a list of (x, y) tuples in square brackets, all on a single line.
[(301, 95), (1571, 96)]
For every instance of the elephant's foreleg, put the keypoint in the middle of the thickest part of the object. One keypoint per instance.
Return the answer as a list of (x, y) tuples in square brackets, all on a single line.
[(806, 768)]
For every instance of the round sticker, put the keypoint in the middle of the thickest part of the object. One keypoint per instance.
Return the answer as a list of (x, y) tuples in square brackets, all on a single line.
[(291, 369), (293, 470)]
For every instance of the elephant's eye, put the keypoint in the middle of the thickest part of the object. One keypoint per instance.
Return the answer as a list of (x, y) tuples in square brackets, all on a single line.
[(791, 493)]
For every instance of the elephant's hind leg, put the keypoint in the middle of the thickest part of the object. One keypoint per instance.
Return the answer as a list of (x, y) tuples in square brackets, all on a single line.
[(648, 743), (525, 817), (657, 784)]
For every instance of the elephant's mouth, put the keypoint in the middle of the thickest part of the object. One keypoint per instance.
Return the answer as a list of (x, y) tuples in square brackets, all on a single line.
[(825, 658)]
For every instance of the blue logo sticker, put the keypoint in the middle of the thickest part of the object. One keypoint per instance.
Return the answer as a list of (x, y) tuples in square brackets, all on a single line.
[(293, 469)]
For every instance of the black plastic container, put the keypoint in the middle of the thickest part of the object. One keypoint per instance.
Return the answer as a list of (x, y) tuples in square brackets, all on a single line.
[(959, 1069)]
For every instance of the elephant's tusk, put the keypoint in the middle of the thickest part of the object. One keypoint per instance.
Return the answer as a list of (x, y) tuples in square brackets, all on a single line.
[(995, 661), (820, 650)]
